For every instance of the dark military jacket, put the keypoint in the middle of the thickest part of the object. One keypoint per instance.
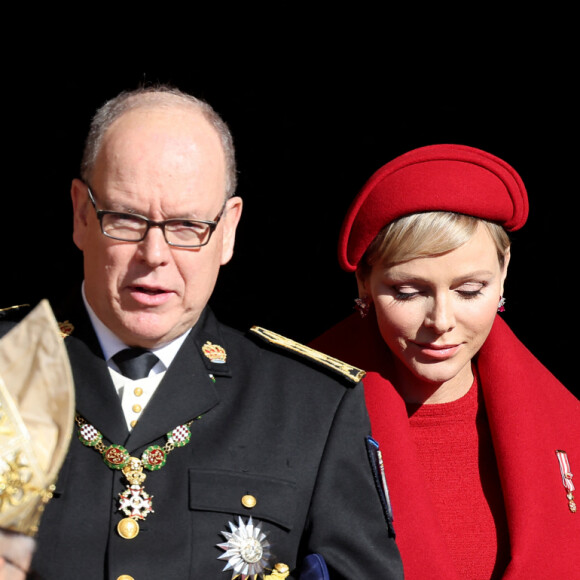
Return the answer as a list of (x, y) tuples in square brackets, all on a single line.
[(266, 424)]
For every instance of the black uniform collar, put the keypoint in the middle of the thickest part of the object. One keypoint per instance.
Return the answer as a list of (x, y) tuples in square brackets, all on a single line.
[(186, 391)]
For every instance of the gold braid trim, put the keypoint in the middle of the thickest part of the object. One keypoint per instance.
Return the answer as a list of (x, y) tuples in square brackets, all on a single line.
[(14, 307), (353, 374)]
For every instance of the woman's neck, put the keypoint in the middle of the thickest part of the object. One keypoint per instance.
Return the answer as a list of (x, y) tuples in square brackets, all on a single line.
[(414, 389)]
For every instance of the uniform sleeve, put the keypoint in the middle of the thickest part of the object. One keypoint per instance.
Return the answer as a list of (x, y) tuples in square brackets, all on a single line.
[(347, 523)]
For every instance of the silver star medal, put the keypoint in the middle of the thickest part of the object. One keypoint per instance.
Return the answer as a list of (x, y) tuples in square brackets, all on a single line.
[(247, 550)]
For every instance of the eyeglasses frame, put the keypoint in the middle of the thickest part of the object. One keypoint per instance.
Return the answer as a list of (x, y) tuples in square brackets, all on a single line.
[(154, 224)]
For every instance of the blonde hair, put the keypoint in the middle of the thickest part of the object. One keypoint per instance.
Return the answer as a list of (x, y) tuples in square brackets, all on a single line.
[(421, 235)]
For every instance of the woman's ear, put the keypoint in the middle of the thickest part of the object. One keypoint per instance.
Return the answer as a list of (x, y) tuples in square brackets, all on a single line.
[(362, 284), (506, 261)]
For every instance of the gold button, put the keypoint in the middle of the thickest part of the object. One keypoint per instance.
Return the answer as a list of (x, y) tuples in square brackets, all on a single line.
[(138, 391), (128, 528), (133, 423), (136, 408), (125, 577), (249, 501)]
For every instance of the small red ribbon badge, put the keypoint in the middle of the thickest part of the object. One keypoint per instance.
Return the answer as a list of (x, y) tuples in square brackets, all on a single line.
[(567, 478)]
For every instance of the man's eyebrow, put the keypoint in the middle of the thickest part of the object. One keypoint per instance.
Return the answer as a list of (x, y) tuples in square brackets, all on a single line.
[(122, 208)]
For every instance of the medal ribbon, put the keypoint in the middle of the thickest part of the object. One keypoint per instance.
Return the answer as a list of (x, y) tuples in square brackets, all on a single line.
[(566, 473), (565, 470)]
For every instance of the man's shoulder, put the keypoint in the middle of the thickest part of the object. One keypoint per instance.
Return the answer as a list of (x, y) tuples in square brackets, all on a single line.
[(10, 316), (290, 350), (16, 312)]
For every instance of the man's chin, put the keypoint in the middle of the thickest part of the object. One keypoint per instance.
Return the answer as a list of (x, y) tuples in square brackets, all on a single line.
[(150, 331)]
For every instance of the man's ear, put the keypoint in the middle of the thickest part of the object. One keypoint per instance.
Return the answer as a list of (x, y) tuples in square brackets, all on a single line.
[(80, 203), (230, 220)]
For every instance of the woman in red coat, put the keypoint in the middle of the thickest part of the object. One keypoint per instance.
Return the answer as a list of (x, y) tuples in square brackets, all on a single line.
[(479, 440)]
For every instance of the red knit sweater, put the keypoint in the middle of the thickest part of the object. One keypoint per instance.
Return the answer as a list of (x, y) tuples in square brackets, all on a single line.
[(455, 452)]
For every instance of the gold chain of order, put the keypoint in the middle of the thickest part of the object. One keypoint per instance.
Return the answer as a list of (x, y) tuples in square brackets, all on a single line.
[(117, 457)]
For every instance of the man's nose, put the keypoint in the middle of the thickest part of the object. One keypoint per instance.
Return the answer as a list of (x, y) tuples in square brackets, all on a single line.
[(154, 249)]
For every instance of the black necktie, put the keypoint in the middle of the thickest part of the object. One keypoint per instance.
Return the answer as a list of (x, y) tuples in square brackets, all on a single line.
[(135, 363)]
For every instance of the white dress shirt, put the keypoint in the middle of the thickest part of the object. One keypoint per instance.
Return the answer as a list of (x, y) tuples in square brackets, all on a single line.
[(134, 395)]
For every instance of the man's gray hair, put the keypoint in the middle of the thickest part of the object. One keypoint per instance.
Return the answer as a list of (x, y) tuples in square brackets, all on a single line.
[(158, 96)]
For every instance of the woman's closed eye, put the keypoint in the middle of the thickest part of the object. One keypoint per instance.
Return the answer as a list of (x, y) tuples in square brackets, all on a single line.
[(467, 291), (471, 290), (406, 292)]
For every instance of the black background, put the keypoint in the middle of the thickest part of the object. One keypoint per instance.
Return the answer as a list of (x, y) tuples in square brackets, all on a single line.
[(309, 131)]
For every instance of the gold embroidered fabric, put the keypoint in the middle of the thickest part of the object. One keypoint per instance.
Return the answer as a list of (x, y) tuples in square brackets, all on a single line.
[(36, 417), (353, 374)]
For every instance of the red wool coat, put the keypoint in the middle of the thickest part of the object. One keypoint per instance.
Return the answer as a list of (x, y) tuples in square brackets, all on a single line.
[(531, 415)]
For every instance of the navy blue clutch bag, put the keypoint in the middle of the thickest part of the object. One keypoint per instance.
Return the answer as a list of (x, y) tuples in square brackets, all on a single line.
[(314, 568)]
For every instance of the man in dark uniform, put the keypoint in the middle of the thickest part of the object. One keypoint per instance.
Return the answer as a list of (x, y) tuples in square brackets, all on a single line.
[(224, 455)]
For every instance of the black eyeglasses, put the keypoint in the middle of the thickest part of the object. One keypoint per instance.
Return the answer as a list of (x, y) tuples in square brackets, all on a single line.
[(178, 232)]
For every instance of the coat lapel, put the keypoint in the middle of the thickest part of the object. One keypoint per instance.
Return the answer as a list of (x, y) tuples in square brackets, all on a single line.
[(96, 398), (525, 436), (419, 533)]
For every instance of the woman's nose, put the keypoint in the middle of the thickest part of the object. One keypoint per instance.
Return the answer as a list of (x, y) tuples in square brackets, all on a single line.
[(440, 316)]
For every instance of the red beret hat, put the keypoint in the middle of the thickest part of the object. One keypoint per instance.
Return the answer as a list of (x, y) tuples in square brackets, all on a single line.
[(452, 178)]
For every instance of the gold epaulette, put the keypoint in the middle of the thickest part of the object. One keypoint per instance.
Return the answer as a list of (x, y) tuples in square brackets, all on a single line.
[(14, 307), (11, 309), (351, 373)]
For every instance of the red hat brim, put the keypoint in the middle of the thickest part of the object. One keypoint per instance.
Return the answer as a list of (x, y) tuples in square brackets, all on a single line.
[(453, 178)]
